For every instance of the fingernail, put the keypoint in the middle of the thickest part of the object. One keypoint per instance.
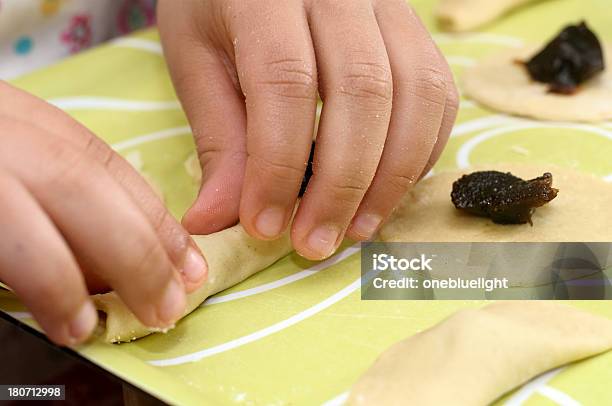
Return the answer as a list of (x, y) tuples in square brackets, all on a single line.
[(194, 266), (270, 221), (172, 304), (83, 322), (323, 240), (365, 225)]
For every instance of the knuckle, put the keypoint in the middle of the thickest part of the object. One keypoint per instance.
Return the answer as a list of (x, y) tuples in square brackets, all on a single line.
[(396, 180), (428, 84), (452, 97), (150, 261), (290, 78), (162, 221), (94, 147), (278, 166), (63, 164), (347, 188), (368, 81)]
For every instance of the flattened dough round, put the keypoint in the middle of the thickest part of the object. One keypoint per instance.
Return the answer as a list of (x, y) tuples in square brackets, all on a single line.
[(581, 211), (501, 84), (466, 15)]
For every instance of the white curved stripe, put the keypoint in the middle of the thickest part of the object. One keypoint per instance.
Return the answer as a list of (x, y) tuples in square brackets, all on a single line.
[(104, 103), (483, 38), (553, 394), (460, 60), (466, 149), (531, 387), (482, 124), (158, 135), (20, 315), (608, 178), (338, 400), (287, 280), (560, 398), (239, 342), (139, 43)]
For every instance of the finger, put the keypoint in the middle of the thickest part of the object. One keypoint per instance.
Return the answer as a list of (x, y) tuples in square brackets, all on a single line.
[(37, 264), (420, 93), (108, 234), (451, 109), (277, 71), (209, 93), (356, 87), (181, 249)]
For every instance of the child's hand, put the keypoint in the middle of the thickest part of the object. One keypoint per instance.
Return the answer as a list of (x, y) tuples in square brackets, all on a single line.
[(248, 72), (72, 212)]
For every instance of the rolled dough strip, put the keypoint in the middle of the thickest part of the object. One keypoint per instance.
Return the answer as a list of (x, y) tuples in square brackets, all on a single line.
[(232, 256), (502, 84), (475, 356), (466, 15)]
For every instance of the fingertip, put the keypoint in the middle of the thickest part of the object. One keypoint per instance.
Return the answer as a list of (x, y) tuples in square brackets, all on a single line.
[(72, 330), (270, 222), (318, 243), (194, 270), (364, 226), (212, 211), (172, 304), (83, 323)]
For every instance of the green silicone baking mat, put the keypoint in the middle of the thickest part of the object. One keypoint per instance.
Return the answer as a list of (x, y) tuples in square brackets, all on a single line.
[(298, 333)]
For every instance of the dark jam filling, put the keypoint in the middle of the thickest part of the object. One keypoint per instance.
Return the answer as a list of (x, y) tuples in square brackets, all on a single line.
[(570, 59), (308, 172), (503, 197)]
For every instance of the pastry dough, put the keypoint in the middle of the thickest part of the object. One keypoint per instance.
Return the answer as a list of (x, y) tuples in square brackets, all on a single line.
[(579, 212), (502, 84), (465, 15), (232, 256), (475, 356)]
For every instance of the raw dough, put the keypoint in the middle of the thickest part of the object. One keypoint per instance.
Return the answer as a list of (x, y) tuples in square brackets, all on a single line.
[(579, 213), (193, 169), (465, 15), (232, 256), (502, 84), (475, 356)]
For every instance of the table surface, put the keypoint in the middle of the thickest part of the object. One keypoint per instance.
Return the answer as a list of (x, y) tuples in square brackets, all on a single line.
[(298, 333)]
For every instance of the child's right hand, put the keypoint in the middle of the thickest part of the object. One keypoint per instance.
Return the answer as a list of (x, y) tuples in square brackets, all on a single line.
[(73, 215)]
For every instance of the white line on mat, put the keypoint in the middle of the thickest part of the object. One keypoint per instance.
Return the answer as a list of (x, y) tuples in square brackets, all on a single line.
[(139, 43), (158, 135), (286, 280), (257, 335), (107, 103)]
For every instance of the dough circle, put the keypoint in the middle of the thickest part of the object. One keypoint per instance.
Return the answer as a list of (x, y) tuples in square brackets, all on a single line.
[(502, 84), (466, 15), (580, 212)]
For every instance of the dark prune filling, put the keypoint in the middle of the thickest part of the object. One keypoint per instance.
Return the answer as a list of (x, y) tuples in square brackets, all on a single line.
[(571, 58), (503, 197), (308, 172)]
